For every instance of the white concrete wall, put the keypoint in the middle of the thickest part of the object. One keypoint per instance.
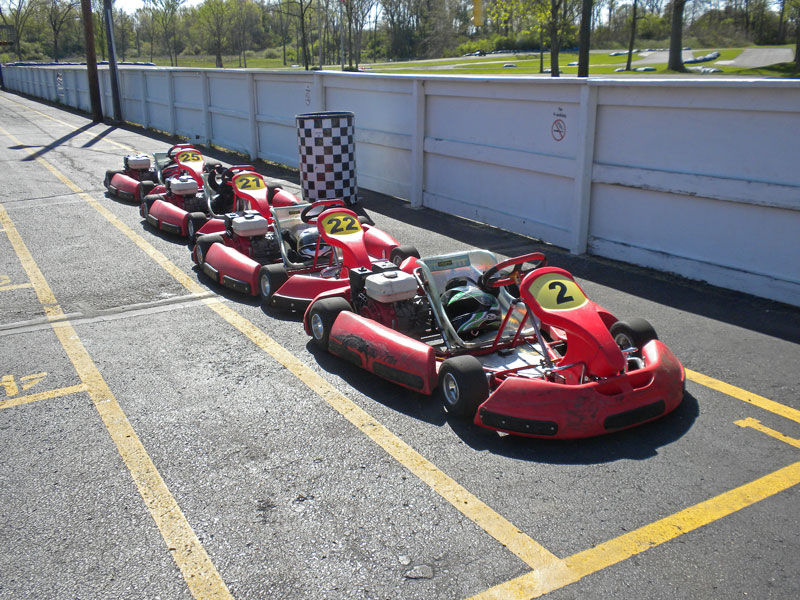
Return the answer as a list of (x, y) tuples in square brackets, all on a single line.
[(694, 176)]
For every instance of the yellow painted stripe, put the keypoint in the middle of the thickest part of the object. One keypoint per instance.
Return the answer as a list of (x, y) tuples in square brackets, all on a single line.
[(527, 549), (15, 286), (756, 424), (745, 396), (578, 566), (199, 572), (20, 400)]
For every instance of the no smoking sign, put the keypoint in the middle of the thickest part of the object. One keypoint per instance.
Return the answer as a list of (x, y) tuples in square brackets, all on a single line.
[(559, 130)]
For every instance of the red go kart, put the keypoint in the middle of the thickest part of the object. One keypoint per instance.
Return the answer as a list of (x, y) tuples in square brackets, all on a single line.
[(307, 249), (514, 346), (139, 176)]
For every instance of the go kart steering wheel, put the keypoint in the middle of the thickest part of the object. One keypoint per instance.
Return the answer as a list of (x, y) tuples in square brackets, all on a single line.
[(177, 148), (312, 211), (494, 278)]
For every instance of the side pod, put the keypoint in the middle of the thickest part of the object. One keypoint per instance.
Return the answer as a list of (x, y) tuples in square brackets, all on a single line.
[(384, 352)]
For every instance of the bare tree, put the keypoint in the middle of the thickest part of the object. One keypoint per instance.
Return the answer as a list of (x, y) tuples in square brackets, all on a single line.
[(676, 37), (16, 14), (58, 13)]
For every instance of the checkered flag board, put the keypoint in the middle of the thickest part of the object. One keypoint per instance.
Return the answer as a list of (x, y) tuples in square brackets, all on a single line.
[(327, 156)]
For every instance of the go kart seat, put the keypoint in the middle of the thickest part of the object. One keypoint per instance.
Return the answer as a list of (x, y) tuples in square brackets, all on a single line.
[(289, 228)]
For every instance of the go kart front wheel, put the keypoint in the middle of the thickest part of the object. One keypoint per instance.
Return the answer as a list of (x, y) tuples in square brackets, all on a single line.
[(400, 253), (463, 385), (270, 279), (634, 333), (321, 317), (204, 243)]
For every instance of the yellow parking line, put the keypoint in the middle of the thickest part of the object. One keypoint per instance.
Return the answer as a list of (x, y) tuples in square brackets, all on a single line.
[(16, 286), (188, 553), (527, 549), (65, 391), (745, 396), (756, 424), (578, 566)]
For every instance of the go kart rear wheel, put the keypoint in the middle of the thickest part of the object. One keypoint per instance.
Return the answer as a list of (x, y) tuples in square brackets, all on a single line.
[(321, 317), (400, 253), (146, 187), (270, 279), (634, 333), (463, 385), (144, 206), (194, 222)]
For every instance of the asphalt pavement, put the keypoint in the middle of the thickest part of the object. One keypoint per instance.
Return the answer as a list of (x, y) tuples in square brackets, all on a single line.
[(162, 437)]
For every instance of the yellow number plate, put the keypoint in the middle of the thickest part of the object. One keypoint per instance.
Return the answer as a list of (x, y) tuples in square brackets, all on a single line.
[(556, 292), (189, 156), (249, 182), (340, 224)]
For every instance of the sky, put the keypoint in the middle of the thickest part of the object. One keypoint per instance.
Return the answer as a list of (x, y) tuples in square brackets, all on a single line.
[(130, 6)]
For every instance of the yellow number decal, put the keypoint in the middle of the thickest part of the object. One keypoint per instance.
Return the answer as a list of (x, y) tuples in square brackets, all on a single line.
[(341, 224), (249, 182), (189, 156), (556, 292)]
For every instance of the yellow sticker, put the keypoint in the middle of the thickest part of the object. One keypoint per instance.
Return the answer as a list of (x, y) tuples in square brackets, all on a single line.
[(189, 156), (341, 224), (554, 291), (249, 182)]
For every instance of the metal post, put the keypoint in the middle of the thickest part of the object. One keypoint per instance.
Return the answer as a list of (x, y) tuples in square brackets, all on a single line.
[(112, 61), (91, 61)]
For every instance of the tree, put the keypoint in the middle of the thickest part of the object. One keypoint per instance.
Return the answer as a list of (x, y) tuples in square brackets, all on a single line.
[(58, 13), (165, 14), (633, 36), (215, 21), (16, 14), (676, 38)]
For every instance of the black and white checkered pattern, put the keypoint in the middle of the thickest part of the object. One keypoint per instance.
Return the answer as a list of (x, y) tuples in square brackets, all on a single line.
[(327, 156)]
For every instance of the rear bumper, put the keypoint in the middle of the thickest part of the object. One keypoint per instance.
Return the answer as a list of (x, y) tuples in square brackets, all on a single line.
[(537, 408)]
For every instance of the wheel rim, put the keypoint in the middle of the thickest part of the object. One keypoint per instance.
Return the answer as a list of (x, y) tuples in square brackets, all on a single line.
[(190, 228), (450, 389), (263, 283), (317, 326), (143, 210), (623, 341), (198, 254)]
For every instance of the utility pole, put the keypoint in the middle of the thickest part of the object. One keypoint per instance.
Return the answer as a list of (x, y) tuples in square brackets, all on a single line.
[(91, 61), (112, 61)]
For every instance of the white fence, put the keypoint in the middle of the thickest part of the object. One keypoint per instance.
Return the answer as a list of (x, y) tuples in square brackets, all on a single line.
[(694, 176)]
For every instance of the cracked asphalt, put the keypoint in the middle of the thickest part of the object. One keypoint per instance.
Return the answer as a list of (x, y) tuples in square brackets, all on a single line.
[(162, 437)]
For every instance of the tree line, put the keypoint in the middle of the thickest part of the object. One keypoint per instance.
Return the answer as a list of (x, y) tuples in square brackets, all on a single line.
[(325, 32)]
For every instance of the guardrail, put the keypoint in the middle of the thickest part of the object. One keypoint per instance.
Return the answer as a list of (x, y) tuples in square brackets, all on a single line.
[(692, 176)]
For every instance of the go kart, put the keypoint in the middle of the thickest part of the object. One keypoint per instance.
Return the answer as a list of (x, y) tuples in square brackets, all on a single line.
[(514, 346), (138, 176), (305, 250), (238, 188)]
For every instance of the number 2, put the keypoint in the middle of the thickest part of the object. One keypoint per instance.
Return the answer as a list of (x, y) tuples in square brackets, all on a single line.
[(562, 297), (337, 228)]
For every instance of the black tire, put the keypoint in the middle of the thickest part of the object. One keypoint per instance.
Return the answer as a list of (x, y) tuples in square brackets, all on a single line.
[(109, 176), (195, 221), (270, 279), (400, 253), (204, 242), (147, 187), (463, 385), (146, 204), (633, 333), (321, 317)]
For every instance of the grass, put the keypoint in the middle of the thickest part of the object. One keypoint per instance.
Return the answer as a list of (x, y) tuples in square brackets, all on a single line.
[(600, 63)]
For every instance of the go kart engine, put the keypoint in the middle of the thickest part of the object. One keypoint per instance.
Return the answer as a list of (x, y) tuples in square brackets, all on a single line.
[(389, 296)]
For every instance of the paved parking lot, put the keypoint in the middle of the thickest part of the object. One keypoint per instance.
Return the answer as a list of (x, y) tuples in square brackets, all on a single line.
[(165, 438)]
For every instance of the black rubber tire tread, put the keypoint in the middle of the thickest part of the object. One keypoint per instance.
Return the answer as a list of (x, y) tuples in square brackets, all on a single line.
[(400, 253), (204, 242), (470, 380), (147, 187), (639, 331), (276, 276), (197, 220), (327, 309), (109, 176)]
